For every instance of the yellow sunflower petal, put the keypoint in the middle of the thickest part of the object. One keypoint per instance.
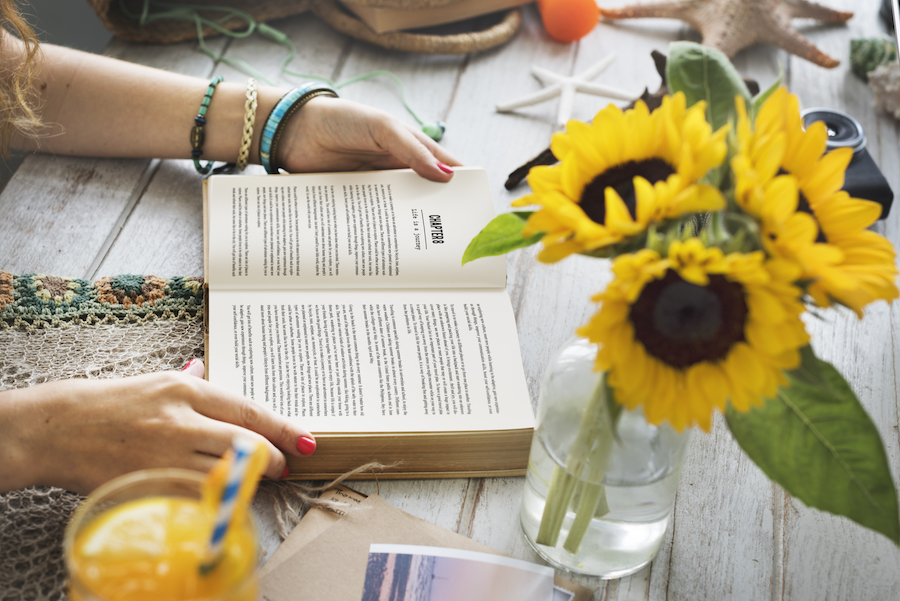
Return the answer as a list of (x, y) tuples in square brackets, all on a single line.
[(557, 252), (828, 176)]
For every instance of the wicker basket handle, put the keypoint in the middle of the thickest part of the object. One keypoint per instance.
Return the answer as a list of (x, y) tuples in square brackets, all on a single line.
[(460, 43)]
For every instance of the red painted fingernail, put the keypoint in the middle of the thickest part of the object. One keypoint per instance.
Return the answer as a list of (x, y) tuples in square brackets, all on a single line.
[(445, 168), (306, 445), (286, 472), (189, 363)]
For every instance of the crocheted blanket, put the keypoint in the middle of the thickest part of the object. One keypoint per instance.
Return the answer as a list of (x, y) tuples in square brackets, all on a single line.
[(53, 328)]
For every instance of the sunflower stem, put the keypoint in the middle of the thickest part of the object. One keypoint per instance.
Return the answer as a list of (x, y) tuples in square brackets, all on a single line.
[(594, 492), (587, 509), (587, 461), (562, 487)]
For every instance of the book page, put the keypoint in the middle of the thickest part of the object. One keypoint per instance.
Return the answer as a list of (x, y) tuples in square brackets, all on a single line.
[(373, 361), (375, 229)]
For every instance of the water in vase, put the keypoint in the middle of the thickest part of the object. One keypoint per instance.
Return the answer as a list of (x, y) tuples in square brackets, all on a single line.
[(640, 494)]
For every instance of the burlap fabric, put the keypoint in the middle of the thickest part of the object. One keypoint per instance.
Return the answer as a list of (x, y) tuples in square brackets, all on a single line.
[(124, 25)]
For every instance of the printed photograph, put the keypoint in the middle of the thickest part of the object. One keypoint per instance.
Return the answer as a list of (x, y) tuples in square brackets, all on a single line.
[(415, 573), (562, 594)]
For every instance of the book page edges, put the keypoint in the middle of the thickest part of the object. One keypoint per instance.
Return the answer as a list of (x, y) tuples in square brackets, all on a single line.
[(426, 455), (206, 275)]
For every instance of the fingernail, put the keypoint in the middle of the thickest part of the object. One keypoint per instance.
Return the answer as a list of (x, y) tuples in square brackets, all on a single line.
[(189, 363), (445, 168), (306, 445), (286, 472)]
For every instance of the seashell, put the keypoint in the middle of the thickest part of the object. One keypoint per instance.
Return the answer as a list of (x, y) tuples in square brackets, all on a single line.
[(885, 82), (866, 54)]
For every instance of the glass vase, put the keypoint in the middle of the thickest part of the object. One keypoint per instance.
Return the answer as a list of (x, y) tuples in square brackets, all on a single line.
[(601, 481)]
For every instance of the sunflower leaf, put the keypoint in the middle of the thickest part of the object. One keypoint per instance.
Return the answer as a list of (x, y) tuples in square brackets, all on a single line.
[(704, 73), (502, 235), (817, 441)]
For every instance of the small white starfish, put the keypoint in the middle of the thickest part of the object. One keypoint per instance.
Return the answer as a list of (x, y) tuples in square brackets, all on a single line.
[(566, 88)]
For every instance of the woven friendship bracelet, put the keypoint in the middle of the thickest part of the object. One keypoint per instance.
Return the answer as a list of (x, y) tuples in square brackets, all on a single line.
[(198, 132), (289, 104), (249, 120)]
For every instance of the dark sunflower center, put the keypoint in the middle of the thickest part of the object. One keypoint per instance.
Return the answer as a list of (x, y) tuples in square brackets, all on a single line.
[(803, 206), (682, 324), (621, 179)]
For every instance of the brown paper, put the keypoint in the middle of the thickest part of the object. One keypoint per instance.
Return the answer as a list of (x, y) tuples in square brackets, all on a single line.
[(332, 564), (315, 522)]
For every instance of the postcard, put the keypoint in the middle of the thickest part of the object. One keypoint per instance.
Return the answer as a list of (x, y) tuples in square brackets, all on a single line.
[(420, 573)]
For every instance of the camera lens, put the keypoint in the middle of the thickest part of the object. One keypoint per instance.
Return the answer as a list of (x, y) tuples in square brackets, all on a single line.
[(843, 130)]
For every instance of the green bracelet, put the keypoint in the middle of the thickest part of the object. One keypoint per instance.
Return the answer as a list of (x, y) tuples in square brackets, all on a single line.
[(197, 132)]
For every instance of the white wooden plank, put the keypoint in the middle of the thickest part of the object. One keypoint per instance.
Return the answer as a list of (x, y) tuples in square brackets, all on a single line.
[(58, 212), (164, 233), (64, 211), (724, 545), (438, 501)]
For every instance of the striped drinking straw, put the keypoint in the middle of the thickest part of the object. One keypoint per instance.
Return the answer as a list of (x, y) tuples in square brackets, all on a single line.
[(242, 448)]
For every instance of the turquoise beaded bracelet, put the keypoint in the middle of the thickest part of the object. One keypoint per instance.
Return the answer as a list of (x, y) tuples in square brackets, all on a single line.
[(289, 104), (198, 134)]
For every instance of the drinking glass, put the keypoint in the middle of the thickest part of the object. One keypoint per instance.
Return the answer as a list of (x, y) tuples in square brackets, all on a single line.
[(146, 535)]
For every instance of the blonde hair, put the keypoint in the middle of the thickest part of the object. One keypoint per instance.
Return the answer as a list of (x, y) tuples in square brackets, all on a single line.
[(17, 97)]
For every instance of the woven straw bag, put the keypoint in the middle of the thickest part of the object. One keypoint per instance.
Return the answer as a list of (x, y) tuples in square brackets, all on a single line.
[(127, 28)]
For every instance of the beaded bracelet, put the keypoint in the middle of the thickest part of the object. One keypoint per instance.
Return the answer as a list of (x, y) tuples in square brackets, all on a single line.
[(198, 133), (249, 120), (289, 104)]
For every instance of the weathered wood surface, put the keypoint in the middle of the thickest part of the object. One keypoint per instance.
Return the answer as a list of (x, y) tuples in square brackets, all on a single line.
[(734, 535)]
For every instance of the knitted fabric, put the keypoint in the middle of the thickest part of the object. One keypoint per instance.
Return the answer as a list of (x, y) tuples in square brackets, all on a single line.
[(53, 328)]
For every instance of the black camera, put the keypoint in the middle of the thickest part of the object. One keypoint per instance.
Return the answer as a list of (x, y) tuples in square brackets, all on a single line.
[(863, 178), (887, 13)]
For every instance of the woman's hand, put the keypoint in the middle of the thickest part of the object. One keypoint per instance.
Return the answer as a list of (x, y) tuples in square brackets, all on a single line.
[(77, 434), (332, 134)]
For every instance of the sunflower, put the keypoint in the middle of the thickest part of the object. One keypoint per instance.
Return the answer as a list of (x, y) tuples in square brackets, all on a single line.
[(681, 335), (622, 172), (822, 228)]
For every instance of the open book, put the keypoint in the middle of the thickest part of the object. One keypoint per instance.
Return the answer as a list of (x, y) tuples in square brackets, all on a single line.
[(339, 300)]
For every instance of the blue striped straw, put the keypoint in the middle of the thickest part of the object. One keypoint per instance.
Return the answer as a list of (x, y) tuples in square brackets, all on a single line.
[(242, 448)]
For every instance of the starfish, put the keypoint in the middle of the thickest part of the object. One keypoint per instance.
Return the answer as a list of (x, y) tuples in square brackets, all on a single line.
[(732, 25), (566, 87)]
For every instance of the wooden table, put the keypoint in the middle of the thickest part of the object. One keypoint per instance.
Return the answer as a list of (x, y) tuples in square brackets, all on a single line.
[(734, 534)]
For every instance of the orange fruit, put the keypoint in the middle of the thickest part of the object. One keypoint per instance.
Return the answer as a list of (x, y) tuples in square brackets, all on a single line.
[(568, 20)]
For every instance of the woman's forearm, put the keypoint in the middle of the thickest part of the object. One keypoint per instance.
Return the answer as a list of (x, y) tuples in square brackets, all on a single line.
[(98, 106)]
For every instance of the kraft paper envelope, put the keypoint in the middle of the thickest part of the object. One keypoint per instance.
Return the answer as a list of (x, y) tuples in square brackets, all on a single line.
[(314, 523), (331, 564)]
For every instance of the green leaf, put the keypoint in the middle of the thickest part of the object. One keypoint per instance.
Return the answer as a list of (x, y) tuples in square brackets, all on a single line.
[(704, 73), (760, 98), (502, 235), (818, 442)]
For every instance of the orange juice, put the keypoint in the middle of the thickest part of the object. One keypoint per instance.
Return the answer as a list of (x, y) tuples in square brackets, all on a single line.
[(146, 535)]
